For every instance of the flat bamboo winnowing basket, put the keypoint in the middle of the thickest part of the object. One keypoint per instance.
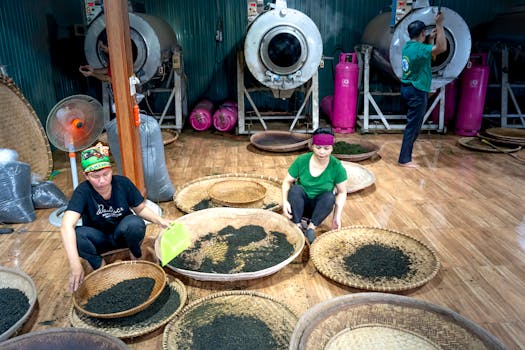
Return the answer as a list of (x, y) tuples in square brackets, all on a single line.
[(22, 131)]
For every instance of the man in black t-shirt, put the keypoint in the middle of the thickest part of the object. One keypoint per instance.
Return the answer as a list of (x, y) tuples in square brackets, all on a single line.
[(104, 203)]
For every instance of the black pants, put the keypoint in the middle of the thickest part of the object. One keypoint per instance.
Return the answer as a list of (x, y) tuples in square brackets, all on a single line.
[(316, 209), (92, 242), (416, 101)]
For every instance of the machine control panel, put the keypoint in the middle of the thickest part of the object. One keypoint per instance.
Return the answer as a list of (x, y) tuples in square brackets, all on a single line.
[(93, 8), (402, 8), (255, 8)]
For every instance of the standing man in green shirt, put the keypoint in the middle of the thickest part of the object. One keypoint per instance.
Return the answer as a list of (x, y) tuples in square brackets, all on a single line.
[(417, 76)]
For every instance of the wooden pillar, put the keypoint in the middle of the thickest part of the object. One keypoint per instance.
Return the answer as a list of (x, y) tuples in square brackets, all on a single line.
[(121, 62)]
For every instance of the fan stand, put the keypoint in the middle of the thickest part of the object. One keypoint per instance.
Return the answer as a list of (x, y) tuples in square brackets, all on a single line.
[(55, 218)]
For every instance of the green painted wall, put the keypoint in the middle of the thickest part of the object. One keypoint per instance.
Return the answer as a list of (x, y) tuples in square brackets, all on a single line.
[(41, 52)]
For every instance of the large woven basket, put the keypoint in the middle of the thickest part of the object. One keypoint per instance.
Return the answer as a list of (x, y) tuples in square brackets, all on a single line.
[(387, 321), (359, 177), (280, 141), (16, 279), (65, 339), (203, 222), (371, 150), (512, 134), (169, 303), (477, 144), (330, 249), (22, 131), (109, 275), (279, 318), (191, 194), (237, 193)]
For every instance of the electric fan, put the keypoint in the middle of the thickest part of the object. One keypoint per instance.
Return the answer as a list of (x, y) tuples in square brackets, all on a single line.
[(73, 124)]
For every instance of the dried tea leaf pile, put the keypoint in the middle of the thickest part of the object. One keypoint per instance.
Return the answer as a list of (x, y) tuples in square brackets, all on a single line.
[(122, 296), (206, 203), (164, 305), (246, 249), (13, 305), (229, 332), (341, 147), (376, 261)]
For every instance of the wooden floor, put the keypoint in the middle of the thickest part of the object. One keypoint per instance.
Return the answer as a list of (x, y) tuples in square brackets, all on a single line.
[(469, 206)]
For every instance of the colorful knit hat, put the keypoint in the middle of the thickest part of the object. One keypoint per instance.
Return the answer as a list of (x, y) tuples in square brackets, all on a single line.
[(95, 158)]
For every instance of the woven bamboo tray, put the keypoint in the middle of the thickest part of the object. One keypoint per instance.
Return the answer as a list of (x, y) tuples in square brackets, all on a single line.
[(280, 141), (498, 141), (155, 316), (65, 339), (109, 275), (386, 321), (169, 136), (507, 133), (14, 278), (189, 195), (278, 317), (359, 177), (203, 222), (22, 131), (237, 193), (476, 144), (330, 249), (371, 148)]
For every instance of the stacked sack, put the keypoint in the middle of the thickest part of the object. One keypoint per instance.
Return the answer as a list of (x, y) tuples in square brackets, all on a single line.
[(19, 194)]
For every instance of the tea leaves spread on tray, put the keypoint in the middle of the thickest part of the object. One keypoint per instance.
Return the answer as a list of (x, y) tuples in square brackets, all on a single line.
[(246, 249), (378, 261), (228, 332), (341, 147), (122, 296), (166, 304), (13, 305)]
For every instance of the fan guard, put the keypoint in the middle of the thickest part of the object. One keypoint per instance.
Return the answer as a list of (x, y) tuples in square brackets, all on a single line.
[(75, 123)]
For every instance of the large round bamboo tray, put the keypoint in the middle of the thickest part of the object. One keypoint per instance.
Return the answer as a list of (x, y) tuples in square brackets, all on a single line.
[(359, 177), (14, 278), (155, 316), (203, 222), (371, 148), (109, 275), (237, 194), (385, 321), (476, 144), (22, 131), (498, 141), (189, 195), (280, 141), (507, 133), (64, 339), (169, 136), (278, 317), (329, 250)]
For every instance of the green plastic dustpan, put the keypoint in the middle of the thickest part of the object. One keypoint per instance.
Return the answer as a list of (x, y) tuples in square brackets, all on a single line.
[(175, 239)]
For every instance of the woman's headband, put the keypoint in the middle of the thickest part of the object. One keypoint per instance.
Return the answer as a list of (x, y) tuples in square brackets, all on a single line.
[(323, 139)]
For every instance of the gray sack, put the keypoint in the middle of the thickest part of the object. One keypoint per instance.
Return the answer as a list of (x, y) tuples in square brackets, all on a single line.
[(158, 184)]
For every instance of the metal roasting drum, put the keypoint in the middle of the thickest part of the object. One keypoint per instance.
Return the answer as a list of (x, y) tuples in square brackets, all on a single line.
[(282, 47), (388, 44), (153, 42)]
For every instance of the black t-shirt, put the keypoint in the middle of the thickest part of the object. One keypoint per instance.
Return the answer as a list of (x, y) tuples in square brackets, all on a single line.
[(104, 215)]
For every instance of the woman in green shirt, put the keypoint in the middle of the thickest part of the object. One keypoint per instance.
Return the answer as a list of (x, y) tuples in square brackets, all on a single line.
[(315, 185)]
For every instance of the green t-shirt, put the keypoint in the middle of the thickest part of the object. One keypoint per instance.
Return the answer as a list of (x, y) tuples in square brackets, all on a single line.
[(416, 64), (333, 174)]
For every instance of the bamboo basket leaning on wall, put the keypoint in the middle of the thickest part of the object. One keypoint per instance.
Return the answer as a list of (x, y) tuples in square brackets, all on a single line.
[(22, 131)]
